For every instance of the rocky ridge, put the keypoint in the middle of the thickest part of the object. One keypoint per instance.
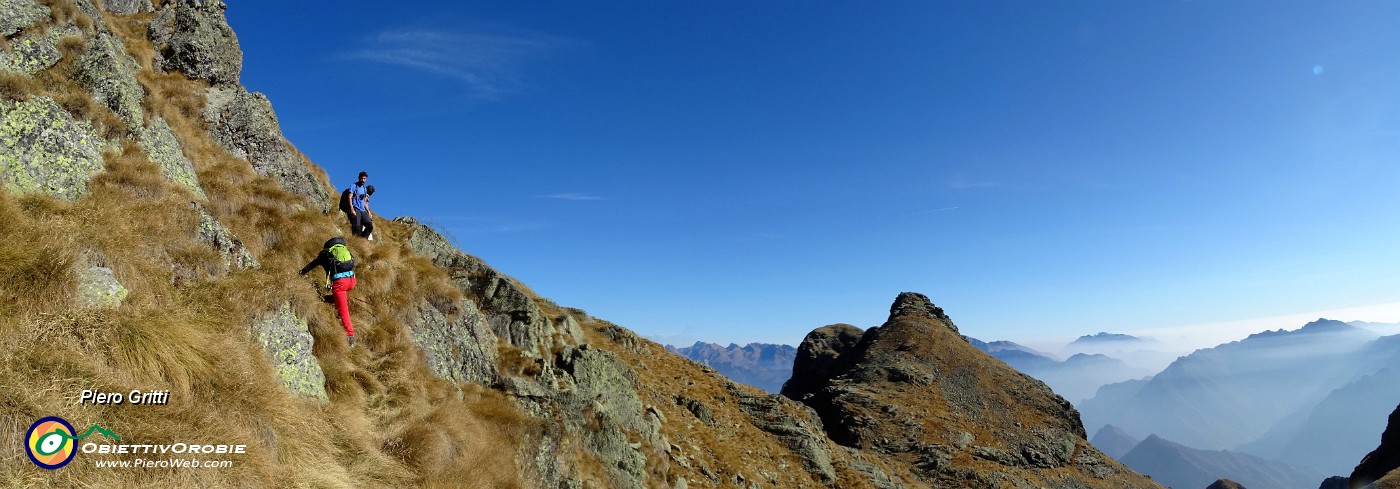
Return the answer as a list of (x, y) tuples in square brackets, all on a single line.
[(451, 349)]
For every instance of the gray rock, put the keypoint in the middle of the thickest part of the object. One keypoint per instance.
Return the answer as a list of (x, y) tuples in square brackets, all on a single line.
[(461, 349), (218, 236), (99, 289), (244, 124), (16, 15), (197, 41), (878, 477), (511, 312), (34, 52), (127, 7), (164, 150), (89, 9), (698, 408), (803, 435), (109, 74), (607, 393), (44, 150), (287, 341)]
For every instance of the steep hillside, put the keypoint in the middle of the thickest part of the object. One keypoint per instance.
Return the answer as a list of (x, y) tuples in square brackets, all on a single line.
[(154, 218), (916, 392), (761, 365), (1380, 469)]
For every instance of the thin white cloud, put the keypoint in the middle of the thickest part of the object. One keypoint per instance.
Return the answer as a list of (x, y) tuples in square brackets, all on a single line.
[(935, 211), (576, 196), (489, 63), (966, 185)]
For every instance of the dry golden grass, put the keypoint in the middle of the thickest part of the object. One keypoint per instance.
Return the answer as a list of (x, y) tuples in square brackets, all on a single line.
[(389, 422)]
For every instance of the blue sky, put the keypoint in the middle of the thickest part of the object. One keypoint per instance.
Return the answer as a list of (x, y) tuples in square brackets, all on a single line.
[(748, 171)]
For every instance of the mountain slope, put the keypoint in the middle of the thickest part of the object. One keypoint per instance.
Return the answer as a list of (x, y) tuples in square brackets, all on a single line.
[(1175, 465), (1234, 393)]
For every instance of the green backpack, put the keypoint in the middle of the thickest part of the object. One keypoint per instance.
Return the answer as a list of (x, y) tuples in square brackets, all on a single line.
[(339, 254)]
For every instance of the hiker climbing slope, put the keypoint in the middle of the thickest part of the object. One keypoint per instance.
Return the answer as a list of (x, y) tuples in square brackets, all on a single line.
[(340, 270)]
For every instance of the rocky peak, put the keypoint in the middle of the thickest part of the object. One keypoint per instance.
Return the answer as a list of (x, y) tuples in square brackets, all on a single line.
[(1225, 484), (817, 356), (918, 305), (913, 389)]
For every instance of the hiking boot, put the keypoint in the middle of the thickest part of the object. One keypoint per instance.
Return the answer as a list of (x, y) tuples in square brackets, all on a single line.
[(352, 341)]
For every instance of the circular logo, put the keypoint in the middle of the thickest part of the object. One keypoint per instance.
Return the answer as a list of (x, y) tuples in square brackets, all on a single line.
[(50, 443)]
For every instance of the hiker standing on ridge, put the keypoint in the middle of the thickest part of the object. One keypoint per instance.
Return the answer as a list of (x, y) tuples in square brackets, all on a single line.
[(340, 270), (366, 215), (351, 202)]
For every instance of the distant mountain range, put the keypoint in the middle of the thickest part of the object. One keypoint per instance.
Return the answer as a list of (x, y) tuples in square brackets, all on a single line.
[(1316, 395), (1108, 338), (1179, 466), (762, 365), (1076, 378)]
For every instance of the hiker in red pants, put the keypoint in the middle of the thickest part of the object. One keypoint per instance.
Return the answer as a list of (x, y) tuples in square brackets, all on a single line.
[(340, 270)]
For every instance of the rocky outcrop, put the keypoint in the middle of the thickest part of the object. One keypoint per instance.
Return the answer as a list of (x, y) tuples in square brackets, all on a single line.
[(15, 15), (1225, 484), (99, 289), (244, 124), (287, 341), (795, 425), (44, 150), (33, 52), (818, 356), (1380, 466), (127, 7), (1335, 482), (219, 237), (163, 148), (915, 390), (456, 343), (194, 38), (109, 75), (512, 314), (584, 392)]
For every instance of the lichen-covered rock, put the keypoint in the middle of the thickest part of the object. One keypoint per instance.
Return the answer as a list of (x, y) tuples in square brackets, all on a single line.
[(164, 150), (460, 350), (287, 341), (510, 310), (16, 15), (195, 39), (244, 124), (218, 236), (127, 7), (34, 52), (109, 74), (606, 391), (99, 289), (44, 150)]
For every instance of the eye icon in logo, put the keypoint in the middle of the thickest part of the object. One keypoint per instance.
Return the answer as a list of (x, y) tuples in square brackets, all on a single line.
[(50, 442)]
